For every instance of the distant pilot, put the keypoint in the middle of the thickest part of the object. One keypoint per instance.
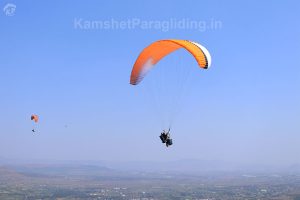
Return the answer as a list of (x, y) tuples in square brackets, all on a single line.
[(166, 138)]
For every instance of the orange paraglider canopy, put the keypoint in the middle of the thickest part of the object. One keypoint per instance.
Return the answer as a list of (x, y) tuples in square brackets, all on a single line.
[(35, 118), (159, 49)]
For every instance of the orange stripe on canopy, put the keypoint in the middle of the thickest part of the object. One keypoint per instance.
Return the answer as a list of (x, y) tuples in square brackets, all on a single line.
[(159, 49)]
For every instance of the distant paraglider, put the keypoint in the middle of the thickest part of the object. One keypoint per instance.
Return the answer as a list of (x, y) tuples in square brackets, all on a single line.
[(35, 119)]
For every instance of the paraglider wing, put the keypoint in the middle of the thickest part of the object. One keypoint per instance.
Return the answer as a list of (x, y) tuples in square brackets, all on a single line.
[(159, 49), (35, 118)]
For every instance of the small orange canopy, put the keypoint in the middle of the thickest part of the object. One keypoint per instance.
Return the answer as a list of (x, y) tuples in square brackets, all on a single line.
[(35, 118)]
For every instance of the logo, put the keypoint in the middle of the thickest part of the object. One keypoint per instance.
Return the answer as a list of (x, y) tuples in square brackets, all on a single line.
[(9, 9)]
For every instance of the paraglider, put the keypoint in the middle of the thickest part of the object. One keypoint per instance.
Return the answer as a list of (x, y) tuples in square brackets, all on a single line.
[(35, 119), (166, 138), (158, 50)]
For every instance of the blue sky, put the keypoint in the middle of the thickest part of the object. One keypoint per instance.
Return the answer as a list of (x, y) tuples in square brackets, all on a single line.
[(244, 109)]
